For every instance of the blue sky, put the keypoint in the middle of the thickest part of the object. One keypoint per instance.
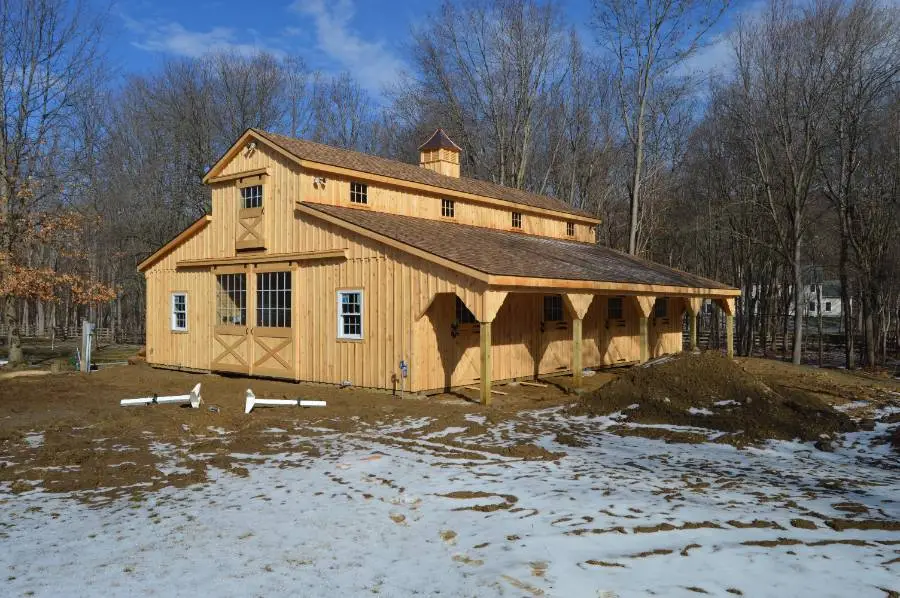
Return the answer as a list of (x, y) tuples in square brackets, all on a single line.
[(365, 37)]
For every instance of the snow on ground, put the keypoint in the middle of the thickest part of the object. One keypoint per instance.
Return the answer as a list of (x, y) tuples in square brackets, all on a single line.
[(616, 517)]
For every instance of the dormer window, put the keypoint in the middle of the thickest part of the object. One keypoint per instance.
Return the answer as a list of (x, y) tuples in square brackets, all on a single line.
[(252, 197), (517, 219), (570, 229), (448, 208), (359, 193)]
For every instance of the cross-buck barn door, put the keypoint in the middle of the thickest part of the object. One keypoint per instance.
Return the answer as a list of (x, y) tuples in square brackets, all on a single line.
[(272, 331), (250, 230), (231, 347)]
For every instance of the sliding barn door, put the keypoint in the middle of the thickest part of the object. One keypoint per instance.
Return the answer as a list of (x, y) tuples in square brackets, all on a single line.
[(273, 333), (231, 334)]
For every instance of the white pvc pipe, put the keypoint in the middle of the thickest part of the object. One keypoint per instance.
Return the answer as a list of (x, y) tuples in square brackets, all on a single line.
[(194, 399), (252, 401)]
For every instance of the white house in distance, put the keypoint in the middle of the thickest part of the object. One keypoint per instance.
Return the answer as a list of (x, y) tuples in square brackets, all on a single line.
[(831, 299)]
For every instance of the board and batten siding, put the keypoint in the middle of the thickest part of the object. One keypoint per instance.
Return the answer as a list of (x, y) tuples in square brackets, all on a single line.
[(408, 302), (191, 348), (287, 183)]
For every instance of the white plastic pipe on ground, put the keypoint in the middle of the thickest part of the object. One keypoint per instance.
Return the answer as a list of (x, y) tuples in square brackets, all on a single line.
[(193, 399), (252, 401)]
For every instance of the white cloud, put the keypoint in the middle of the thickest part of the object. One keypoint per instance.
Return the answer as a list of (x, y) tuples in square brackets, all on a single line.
[(370, 62), (174, 38)]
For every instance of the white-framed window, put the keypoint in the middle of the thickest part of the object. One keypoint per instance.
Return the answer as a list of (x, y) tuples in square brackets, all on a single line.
[(570, 229), (273, 299), (252, 197), (517, 219), (448, 208), (179, 312), (359, 193), (350, 314)]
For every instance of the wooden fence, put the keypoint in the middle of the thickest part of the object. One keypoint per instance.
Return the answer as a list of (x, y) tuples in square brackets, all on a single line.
[(103, 336)]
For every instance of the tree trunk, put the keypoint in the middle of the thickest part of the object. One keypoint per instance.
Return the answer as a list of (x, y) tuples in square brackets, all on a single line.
[(819, 313), (15, 355), (846, 303), (869, 329), (797, 353)]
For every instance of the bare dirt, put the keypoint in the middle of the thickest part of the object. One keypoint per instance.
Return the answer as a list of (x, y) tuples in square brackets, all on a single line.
[(67, 431), (748, 399)]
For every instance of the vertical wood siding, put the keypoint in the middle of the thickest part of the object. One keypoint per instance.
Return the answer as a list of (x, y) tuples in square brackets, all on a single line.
[(408, 303)]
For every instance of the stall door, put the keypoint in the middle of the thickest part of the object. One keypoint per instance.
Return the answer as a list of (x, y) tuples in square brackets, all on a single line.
[(231, 334), (272, 336)]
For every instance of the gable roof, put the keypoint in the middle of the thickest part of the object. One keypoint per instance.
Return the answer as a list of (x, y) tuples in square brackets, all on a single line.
[(439, 140), (333, 156), (180, 238), (502, 253)]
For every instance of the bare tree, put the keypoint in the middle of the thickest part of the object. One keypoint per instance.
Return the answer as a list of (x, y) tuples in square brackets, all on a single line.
[(866, 63), (49, 49), (483, 70), (649, 41), (781, 100)]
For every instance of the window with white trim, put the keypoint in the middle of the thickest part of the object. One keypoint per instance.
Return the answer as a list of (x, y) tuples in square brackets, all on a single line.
[(349, 312), (273, 299), (231, 299), (179, 312), (828, 306), (448, 208), (517, 219), (359, 193), (252, 197)]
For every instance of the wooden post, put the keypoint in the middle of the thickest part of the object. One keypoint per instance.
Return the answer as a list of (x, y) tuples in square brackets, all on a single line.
[(644, 305), (727, 306), (486, 311), (578, 305), (692, 323), (486, 364), (644, 339), (693, 305), (577, 368), (729, 335)]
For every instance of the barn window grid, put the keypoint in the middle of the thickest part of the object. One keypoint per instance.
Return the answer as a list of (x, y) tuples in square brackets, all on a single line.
[(661, 308), (463, 314), (517, 219), (252, 197), (448, 208), (273, 299), (179, 312), (614, 308), (359, 193), (350, 324), (570, 229), (553, 308), (231, 299)]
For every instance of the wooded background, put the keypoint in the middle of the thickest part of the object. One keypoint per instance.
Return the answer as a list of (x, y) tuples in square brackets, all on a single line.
[(777, 171)]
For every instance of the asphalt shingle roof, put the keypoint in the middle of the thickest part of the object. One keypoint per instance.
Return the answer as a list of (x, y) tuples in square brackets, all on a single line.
[(334, 156), (506, 253)]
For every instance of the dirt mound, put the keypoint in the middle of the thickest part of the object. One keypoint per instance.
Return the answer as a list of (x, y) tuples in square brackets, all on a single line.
[(708, 390)]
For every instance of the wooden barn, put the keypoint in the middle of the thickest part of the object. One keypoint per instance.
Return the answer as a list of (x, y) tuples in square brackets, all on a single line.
[(327, 265)]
